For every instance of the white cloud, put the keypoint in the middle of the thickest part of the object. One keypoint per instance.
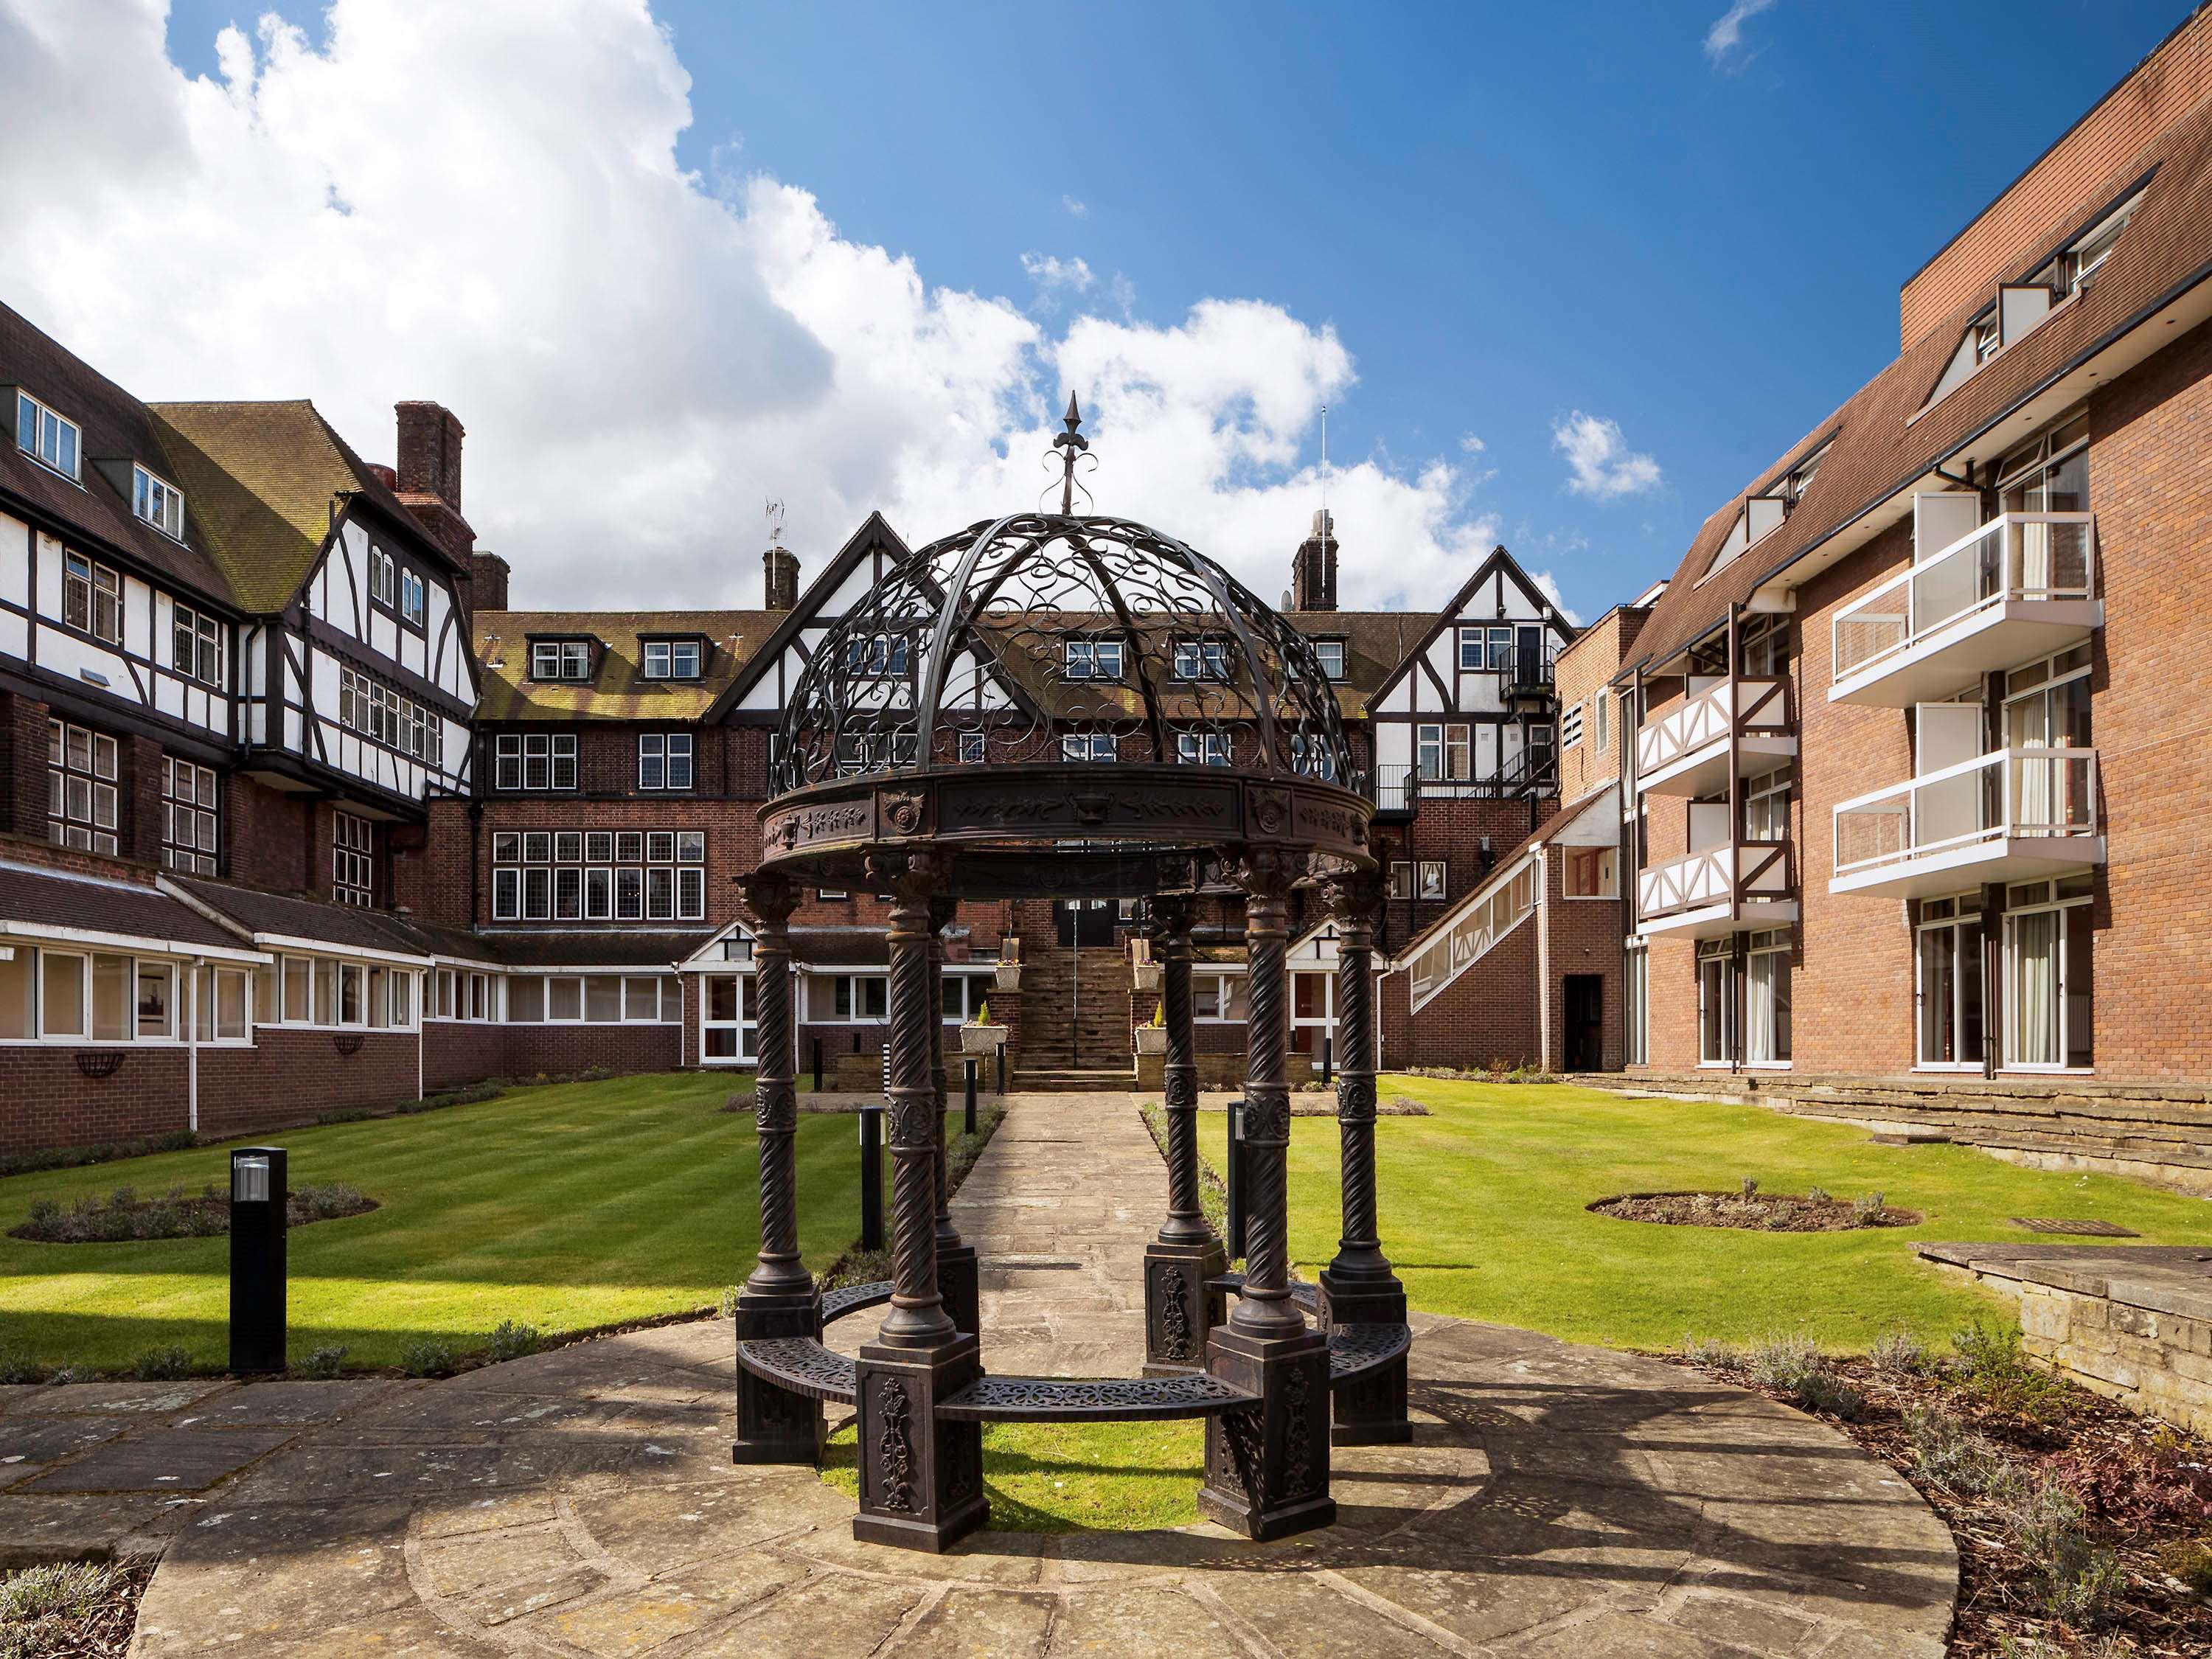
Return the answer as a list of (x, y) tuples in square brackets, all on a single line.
[(1471, 445), (1048, 271), (482, 205), (1548, 585), (1725, 38), (1600, 462), (1075, 210)]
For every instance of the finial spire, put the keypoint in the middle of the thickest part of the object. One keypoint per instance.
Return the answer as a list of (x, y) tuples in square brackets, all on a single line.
[(1070, 444)]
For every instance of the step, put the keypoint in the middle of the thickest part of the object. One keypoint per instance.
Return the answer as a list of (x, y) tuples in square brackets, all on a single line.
[(1068, 1080)]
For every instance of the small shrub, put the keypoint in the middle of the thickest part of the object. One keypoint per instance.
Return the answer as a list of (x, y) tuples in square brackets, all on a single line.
[(345, 1115), (512, 1341), (58, 1592), (162, 1364), (1867, 1210), (1901, 1354), (320, 1202), (432, 1356), (1791, 1365), (324, 1362), (728, 1307), (62, 1375), (1750, 1187), (2165, 1485), (1948, 1453), (122, 1198), (2190, 1561), (45, 1212), (1709, 1351), (1994, 1367), (2077, 1580), (16, 1365)]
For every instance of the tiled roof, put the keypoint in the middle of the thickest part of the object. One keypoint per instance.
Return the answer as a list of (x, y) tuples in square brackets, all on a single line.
[(619, 691), (522, 949), (115, 428), (57, 898), (264, 480), (298, 916), (2164, 250)]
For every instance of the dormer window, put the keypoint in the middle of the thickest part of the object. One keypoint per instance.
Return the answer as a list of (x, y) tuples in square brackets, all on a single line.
[(1094, 659), (44, 436), (158, 502), (1763, 513), (672, 659), (1202, 660), (561, 659), (383, 579), (414, 598), (1331, 652)]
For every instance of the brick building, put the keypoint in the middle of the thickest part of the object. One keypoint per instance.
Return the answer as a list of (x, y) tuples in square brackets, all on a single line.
[(290, 790), (1916, 822)]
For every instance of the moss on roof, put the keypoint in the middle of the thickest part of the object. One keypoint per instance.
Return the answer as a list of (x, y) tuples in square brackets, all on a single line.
[(619, 689)]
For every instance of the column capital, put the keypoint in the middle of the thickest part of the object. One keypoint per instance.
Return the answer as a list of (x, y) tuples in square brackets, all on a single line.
[(1354, 897), (1267, 873), (1171, 918), (768, 896), (911, 877)]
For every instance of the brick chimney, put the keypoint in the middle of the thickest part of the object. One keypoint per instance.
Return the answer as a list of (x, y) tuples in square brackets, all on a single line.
[(487, 574), (1313, 572), (781, 565), (429, 476)]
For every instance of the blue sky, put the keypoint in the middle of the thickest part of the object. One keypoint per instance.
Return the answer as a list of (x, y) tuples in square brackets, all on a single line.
[(1506, 213)]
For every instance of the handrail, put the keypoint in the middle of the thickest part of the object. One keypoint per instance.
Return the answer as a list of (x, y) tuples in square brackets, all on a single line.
[(1991, 807), (1706, 718), (1659, 897), (1934, 596)]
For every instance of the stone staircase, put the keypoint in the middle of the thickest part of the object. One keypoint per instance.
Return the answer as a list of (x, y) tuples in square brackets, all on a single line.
[(1071, 1040)]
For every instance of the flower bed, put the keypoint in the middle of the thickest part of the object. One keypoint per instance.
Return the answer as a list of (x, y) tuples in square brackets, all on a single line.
[(125, 1216), (1758, 1211)]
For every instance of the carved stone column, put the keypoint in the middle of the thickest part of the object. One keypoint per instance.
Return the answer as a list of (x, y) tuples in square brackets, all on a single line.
[(775, 1425), (921, 1480), (1267, 1468), (956, 1258), (1358, 1286), (1180, 1308)]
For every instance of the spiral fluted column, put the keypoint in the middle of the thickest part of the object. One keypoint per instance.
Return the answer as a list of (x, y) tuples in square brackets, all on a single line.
[(1352, 902), (1264, 1309), (1186, 1221), (957, 1279), (771, 899), (917, 1318)]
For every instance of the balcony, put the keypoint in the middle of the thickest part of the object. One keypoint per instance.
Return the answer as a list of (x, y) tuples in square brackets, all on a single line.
[(2018, 587), (1731, 888), (2012, 815), (1685, 752), (1393, 789)]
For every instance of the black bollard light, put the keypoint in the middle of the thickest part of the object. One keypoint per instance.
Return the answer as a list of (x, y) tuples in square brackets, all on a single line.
[(817, 1066), (968, 1093), (1002, 1069), (1234, 1180), (258, 1192), (1328, 1046), (872, 1177)]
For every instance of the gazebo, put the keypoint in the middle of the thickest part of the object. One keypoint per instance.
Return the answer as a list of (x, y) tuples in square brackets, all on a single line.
[(1056, 705)]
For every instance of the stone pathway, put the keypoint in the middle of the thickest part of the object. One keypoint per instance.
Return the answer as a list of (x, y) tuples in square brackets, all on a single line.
[(1557, 1501)]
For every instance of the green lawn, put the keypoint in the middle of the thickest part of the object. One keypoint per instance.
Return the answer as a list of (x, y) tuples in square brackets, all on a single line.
[(1482, 1212), (565, 1207), (1070, 1477)]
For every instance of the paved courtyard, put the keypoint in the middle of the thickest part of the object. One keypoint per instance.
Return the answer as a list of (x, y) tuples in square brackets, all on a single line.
[(1556, 1499)]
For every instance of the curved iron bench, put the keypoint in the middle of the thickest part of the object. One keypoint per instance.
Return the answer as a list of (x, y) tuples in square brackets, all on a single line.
[(1304, 1292), (835, 1304), (800, 1364), (1358, 1351), (1091, 1400)]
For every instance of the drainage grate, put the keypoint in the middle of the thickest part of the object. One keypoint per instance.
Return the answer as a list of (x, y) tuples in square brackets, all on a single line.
[(2043, 1224)]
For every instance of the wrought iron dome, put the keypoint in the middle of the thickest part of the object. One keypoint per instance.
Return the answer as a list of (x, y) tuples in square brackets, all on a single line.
[(1070, 679)]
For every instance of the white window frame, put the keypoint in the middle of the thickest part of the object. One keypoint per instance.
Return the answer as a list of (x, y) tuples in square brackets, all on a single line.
[(2072, 910), (156, 500), (197, 644), (1945, 914), (197, 804), (1331, 654), (99, 782), (1088, 747), (1431, 880), (1608, 865), (1768, 945), (665, 760), (36, 424), (1203, 657), (745, 1028), (97, 590), (1202, 748), (1089, 658), (560, 661), (1219, 989), (353, 859), (549, 756), (413, 597)]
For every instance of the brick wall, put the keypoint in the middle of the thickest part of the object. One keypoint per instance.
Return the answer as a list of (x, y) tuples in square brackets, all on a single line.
[(1487, 1013), (1583, 937), (23, 766), (2083, 170), (290, 1076), (266, 835), (44, 1100)]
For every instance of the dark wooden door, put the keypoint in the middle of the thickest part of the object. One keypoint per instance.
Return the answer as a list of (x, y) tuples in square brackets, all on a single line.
[(1585, 1019), (1084, 921)]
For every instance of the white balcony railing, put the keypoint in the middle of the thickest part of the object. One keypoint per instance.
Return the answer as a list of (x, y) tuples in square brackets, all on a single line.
[(1700, 726), (2008, 795), (1748, 872), (2014, 558)]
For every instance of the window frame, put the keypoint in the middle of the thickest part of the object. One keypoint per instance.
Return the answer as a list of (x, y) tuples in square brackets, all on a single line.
[(40, 412), (99, 786), (668, 648), (101, 587), (353, 859), (1323, 647), (206, 633), (155, 500), (202, 855), (566, 650)]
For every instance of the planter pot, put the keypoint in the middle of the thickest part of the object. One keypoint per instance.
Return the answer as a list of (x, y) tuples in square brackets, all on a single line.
[(1008, 977), (1151, 1039), (982, 1039), (1148, 976)]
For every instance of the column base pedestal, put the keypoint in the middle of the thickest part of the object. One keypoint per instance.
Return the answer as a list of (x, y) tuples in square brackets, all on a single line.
[(1180, 1311), (775, 1425), (922, 1479), (1267, 1467), (1370, 1410)]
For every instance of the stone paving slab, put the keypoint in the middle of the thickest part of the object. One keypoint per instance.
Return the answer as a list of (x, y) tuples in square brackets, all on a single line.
[(1556, 1501)]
